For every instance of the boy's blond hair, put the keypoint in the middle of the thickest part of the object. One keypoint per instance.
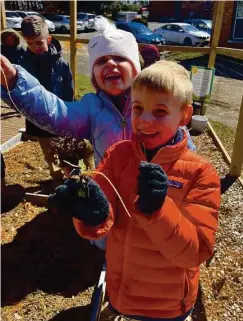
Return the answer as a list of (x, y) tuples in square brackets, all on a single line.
[(168, 77)]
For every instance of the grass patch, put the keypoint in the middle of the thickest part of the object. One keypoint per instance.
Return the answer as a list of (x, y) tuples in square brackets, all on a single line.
[(180, 56), (225, 133), (83, 86)]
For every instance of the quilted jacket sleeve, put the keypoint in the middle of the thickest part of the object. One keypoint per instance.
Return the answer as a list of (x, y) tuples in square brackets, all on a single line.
[(106, 168), (186, 235), (46, 110), (68, 86)]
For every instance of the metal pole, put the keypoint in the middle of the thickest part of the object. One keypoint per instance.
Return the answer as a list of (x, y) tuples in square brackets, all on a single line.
[(73, 43), (237, 155)]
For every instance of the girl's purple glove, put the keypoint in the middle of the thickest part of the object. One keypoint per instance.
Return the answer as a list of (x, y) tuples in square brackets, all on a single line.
[(152, 187), (83, 200)]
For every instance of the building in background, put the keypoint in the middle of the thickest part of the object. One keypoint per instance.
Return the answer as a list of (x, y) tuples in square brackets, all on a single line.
[(165, 11), (232, 28)]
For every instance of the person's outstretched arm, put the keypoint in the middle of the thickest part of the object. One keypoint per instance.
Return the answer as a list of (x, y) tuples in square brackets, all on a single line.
[(43, 108)]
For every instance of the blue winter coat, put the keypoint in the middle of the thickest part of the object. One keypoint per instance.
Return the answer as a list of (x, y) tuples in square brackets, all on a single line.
[(94, 117)]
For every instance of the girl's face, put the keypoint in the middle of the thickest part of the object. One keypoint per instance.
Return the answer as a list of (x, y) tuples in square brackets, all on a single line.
[(156, 116), (113, 74)]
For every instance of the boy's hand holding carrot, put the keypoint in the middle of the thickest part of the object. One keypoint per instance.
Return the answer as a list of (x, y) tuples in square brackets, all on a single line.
[(152, 187)]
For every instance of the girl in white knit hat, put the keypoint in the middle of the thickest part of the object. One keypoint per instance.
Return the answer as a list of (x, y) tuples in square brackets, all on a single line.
[(102, 117)]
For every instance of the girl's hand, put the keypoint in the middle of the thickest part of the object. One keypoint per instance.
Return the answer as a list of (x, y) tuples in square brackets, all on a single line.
[(10, 73)]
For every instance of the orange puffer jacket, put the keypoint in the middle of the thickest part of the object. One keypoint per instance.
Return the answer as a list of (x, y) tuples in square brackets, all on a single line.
[(153, 261)]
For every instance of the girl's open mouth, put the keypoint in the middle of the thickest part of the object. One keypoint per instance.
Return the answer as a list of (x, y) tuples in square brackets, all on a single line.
[(112, 76)]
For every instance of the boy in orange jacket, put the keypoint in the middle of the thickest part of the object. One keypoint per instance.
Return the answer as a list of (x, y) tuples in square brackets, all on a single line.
[(171, 194)]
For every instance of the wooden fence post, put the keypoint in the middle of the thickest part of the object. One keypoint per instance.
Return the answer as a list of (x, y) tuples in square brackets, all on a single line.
[(73, 40), (237, 154), (214, 42), (216, 33), (3, 15)]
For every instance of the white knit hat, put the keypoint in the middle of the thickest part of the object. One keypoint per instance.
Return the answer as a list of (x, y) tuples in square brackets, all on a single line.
[(115, 42)]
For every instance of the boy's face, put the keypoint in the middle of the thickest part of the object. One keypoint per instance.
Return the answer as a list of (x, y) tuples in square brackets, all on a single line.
[(156, 116), (38, 45), (113, 74)]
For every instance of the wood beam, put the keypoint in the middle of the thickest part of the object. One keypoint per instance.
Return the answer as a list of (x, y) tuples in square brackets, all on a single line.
[(73, 40), (237, 154), (230, 52), (216, 33), (3, 15)]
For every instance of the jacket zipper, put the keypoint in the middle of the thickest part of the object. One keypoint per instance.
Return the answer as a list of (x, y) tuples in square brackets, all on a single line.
[(123, 118), (126, 248)]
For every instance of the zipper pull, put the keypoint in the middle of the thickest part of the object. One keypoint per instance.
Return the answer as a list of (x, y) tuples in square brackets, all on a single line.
[(123, 123), (142, 145), (183, 306)]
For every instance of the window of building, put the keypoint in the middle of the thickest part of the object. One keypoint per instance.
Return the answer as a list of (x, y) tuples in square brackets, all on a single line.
[(238, 23)]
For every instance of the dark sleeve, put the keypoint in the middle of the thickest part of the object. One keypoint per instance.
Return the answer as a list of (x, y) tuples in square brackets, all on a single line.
[(68, 86)]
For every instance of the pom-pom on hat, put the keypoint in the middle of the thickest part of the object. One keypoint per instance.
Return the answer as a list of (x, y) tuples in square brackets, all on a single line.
[(112, 41)]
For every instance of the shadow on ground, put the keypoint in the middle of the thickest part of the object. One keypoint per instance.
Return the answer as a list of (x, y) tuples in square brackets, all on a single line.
[(74, 314), (199, 312), (48, 254)]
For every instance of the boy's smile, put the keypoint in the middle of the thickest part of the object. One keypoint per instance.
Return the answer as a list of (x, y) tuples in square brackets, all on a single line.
[(113, 74), (156, 116)]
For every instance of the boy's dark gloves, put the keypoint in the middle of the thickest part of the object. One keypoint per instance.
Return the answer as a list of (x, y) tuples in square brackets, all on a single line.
[(152, 187), (82, 199)]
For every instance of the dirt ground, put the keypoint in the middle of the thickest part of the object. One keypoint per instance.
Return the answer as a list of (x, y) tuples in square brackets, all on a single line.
[(225, 101)]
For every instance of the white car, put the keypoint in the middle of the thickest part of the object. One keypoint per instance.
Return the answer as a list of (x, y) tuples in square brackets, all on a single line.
[(23, 14), (91, 17), (183, 34), (13, 20), (62, 23)]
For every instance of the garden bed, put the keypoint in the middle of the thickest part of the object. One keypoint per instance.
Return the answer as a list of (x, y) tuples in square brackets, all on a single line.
[(49, 272)]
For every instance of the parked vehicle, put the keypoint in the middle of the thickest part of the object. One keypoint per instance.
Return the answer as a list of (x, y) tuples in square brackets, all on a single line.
[(125, 16), (83, 17), (142, 33), (183, 34), (62, 23), (201, 24), (24, 14), (13, 20), (91, 17)]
